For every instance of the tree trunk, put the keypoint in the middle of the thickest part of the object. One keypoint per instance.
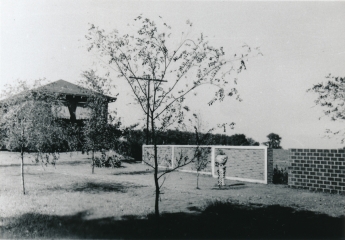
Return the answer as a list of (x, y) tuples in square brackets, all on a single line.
[(93, 161), (157, 194), (197, 180), (153, 135), (22, 168), (148, 115)]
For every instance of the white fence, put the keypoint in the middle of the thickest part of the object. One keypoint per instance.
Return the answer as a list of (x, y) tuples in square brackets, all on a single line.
[(245, 163)]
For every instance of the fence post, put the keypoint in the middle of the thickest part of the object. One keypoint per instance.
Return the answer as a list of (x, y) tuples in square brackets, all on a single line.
[(172, 156), (269, 166), (142, 154), (213, 152)]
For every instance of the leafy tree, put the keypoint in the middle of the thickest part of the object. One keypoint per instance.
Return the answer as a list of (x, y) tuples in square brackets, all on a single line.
[(274, 141), (135, 138), (147, 57), (252, 142), (239, 140), (130, 142), (99, 128), (331, 97), (30, 123)]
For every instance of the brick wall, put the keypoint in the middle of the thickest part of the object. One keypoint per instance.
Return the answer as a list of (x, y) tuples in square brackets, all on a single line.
[(270, 165), (318, 169), (190, 153), (281, 158), (245, 163), (163, 153)]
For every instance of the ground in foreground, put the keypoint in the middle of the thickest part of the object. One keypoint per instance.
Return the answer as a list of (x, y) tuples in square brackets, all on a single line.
[(69, 202)]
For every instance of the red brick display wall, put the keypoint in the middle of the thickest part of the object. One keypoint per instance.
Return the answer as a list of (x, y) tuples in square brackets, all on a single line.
[(318, 169)]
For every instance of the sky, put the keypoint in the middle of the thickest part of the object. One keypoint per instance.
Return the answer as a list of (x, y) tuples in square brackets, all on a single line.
[(301, 42)]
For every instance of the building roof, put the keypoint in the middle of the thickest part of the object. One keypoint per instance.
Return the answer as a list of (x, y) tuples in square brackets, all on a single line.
[(67, 88)]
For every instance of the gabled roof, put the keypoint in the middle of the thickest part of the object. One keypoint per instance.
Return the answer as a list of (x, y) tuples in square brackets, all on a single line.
[(67, 88)]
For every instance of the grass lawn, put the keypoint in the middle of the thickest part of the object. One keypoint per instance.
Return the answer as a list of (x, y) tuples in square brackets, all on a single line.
[(67, 201)]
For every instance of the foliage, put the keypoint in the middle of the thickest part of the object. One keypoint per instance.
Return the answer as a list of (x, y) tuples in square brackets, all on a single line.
[(331, 97), (178, 137), (108, 159), (201, 155), (30, 123), (131, 142), (99, 128), (133, 139), (274, 141), (30, 120), (280, 176), (252, 142), (147, 57)]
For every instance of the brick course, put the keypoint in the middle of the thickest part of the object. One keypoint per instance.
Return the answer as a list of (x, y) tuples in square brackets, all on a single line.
[(190, 153), (242, 163), (270, 164), (325, 166), (245, 163), (163, 153)]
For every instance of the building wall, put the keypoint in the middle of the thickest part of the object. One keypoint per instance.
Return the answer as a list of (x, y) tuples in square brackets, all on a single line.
[(318, 169)]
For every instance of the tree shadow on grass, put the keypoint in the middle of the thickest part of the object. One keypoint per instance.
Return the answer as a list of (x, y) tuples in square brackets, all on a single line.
[(131, 161), (18, 165), (230, 186), (89, 162), (143, 172), (97, 187), (73, 163), (218, 220), (134, 173)]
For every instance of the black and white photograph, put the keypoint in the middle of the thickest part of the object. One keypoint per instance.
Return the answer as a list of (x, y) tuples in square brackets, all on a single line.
[(172, 119)]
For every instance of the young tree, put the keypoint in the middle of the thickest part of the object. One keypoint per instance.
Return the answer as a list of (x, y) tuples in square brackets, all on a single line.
[(149, 57), (274, 141), (201, 155), (331, 97), (99, 129), (30, 123)]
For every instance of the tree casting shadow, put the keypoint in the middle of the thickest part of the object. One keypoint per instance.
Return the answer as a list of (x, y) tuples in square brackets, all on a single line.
[(18, 165), (73, 163), (218, 220), (143, 172), (230, 186), (131, 161), (94, 187)]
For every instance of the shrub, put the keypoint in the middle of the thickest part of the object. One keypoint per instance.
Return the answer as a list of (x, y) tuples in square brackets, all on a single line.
[(280, 176), (107, 161), (132, 149)]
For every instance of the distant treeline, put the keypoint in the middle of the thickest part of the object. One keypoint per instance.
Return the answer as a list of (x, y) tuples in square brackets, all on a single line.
[(134, 139)]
